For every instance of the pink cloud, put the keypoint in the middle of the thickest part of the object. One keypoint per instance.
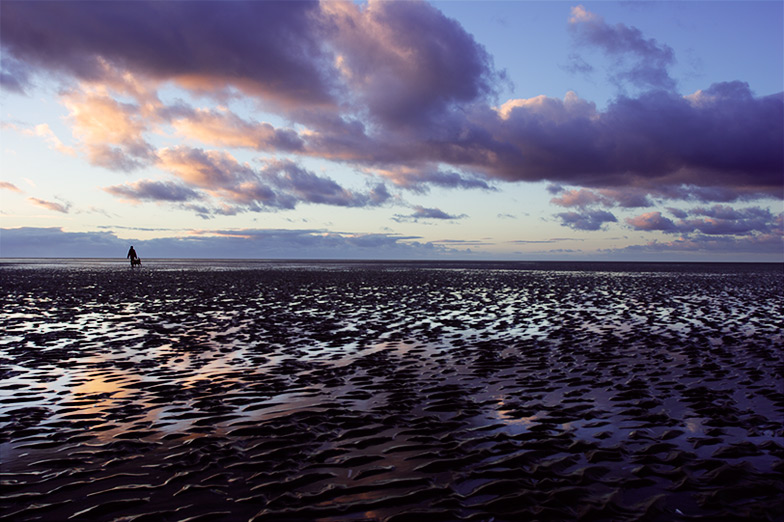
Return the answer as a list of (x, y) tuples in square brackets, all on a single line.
[(225, 128), (51, 205), (111, 133), (5, 185)]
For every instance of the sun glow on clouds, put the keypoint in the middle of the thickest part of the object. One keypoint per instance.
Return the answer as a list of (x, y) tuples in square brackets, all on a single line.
[(291, 106)]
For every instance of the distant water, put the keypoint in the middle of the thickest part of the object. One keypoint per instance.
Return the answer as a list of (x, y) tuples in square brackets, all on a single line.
[(269, 264)]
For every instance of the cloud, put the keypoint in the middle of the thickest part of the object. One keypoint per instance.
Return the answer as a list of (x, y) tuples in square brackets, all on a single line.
[(51, 205), (639, 61), (149, 190), (44, 131), (111, 133), (392, 89), (269, 49), (221, 127), (421, 179), (307, 187), (721, 143), (652, 221), (405, 61), (239, 187), (14, 74), (54, 242), (422, 213), (5, 185), (551, 240), (722, 220), (677, 212), (719, 220), (241, 244), (716, 245), (580, 198), (587, 219)]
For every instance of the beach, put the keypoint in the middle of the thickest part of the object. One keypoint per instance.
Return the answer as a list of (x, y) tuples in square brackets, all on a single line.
[(391, 391)]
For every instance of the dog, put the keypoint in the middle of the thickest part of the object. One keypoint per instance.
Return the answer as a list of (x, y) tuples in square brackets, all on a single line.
[(136, 262)]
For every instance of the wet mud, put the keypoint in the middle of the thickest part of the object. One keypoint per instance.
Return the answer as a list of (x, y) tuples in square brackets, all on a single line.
[(396, 393)]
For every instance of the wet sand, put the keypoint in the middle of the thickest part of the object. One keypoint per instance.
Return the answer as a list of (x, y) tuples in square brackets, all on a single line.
[(391, 392)]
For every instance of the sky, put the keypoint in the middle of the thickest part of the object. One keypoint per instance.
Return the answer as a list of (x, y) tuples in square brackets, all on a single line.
[(514, 130)]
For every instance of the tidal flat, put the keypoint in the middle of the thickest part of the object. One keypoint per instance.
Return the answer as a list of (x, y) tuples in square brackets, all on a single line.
[(391, 391)]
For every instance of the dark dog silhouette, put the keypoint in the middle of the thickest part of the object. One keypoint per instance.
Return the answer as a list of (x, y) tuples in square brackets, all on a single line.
[(137, 261)]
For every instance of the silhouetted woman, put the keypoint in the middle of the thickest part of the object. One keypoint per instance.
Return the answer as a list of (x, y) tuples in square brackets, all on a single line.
[(133, 257)]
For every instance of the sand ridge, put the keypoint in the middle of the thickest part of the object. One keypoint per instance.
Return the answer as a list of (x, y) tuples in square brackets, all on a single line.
[(375, 392)]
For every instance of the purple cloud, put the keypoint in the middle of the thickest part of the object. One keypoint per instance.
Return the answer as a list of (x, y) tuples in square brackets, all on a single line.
[(661, 144), (678, 213), (653, 221), (587, 219), (238, 187), (307, 187), (54, 242), (395, 89), (640, 61), (427, 213), (243, 244), (719, 220), (14, 74), (761, 244), (421, 180), (262, 48), (148, 190), (406, 61)]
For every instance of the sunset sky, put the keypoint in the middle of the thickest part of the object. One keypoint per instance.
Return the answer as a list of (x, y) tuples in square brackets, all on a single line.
[(393, 130)]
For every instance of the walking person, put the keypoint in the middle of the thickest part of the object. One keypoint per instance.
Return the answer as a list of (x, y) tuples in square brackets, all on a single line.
[(133, 257)]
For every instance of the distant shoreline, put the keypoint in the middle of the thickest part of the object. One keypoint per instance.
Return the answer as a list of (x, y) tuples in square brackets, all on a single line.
[(320, 264)]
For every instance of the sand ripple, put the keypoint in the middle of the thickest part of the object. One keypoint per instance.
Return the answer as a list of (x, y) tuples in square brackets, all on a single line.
[(391, 393)]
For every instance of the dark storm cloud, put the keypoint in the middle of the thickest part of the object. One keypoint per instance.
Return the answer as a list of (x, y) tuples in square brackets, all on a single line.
[(267, 48), (719, 144), (406, 61)]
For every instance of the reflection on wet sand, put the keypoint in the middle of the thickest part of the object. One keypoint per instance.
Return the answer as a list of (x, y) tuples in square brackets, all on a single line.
[(385, 393)]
